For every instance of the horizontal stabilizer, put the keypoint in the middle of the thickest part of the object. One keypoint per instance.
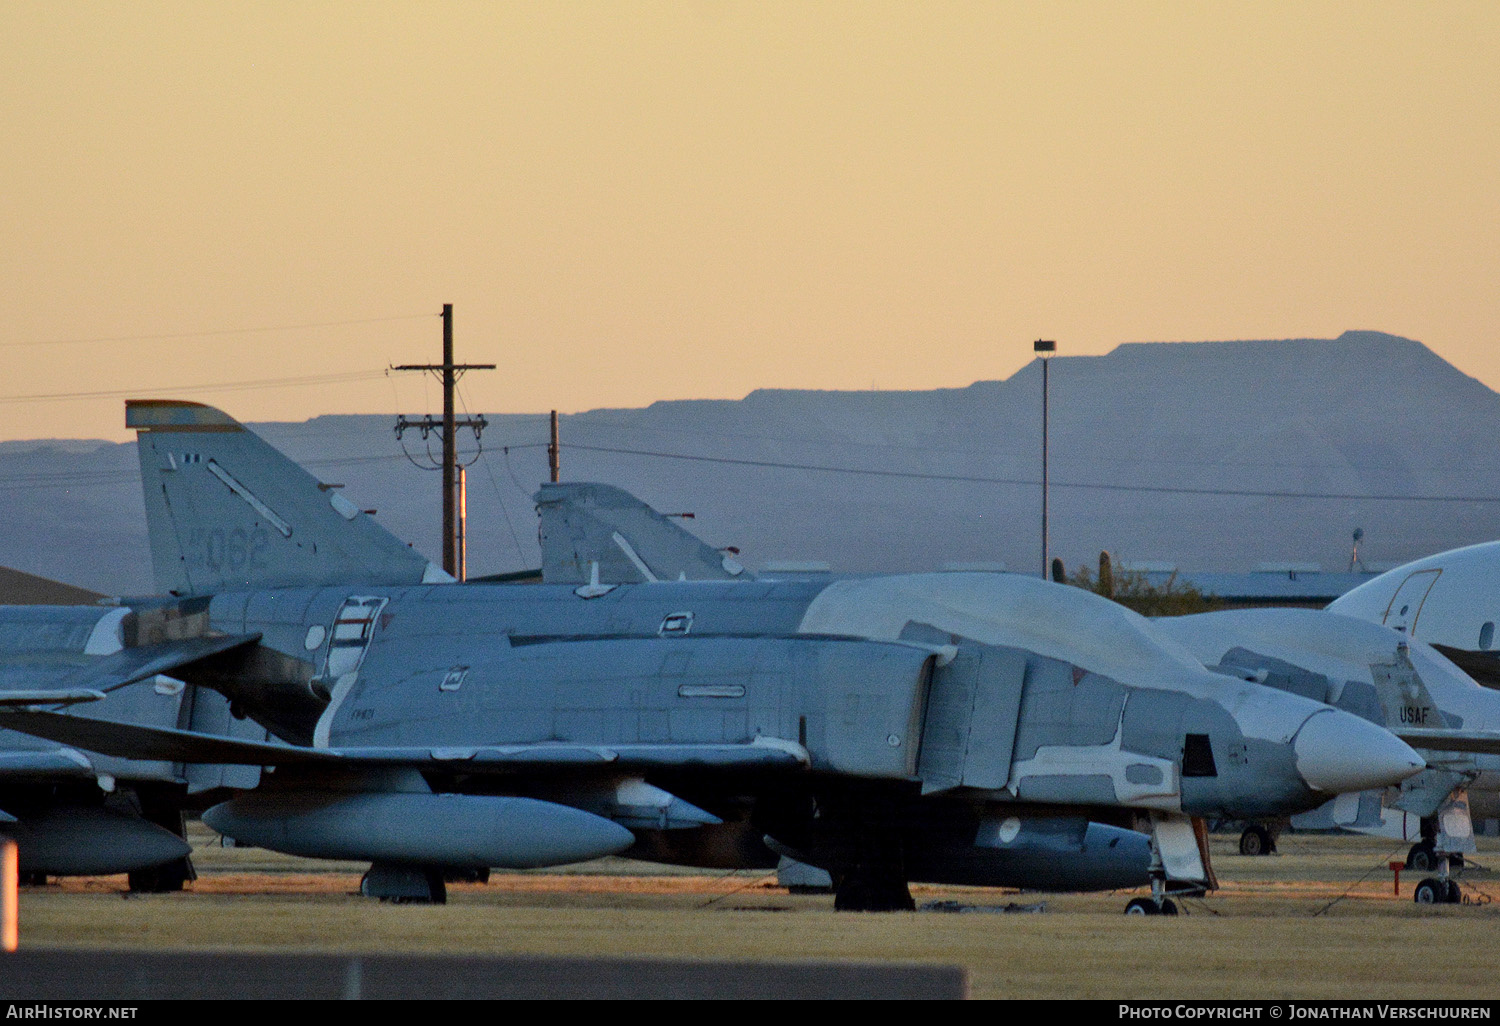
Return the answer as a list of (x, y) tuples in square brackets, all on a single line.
[(1483, 742), (132, 741)]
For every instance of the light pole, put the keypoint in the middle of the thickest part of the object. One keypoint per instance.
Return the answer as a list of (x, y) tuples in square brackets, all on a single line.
[(1043, 348)]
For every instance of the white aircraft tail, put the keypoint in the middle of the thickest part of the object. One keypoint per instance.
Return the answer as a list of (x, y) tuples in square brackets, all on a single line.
[(1404, 697)]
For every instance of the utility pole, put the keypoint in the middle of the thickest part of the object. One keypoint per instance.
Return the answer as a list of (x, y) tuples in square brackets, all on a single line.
[(1044, 348), (449, 373), (461, 525), (554, 451)]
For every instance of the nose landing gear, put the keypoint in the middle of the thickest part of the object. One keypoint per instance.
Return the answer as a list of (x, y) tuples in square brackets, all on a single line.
[(1151, 907), (1179, 853)]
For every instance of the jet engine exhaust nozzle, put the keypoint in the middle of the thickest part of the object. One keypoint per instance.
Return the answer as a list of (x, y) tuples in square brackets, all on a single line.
[(1338, 753)]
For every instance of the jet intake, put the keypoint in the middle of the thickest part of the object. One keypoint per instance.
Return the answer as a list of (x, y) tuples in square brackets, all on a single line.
[(457, 830)]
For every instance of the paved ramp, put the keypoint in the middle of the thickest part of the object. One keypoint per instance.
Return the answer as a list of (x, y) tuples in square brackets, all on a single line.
[(144, 975)]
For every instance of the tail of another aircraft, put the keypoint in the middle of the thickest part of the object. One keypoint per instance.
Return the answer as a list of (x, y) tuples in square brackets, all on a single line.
[(603, 533), (1403, 695), (225, 510)]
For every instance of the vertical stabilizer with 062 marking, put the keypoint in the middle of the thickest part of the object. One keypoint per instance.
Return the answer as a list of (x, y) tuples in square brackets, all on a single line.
[(227, 511)]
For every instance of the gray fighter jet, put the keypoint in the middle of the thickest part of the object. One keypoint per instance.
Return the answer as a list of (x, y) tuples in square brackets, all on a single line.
[(83, 814), (887, 729)]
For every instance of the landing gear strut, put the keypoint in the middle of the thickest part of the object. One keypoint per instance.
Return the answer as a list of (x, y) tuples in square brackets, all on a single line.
[(169, 877), (1427, 855), (1439, 890), (1182, 843), (865, 854)]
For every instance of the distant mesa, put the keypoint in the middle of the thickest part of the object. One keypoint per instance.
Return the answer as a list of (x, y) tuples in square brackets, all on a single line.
[(1208, 457)]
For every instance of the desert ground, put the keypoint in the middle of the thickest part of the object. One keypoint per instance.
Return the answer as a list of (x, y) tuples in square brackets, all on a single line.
[(1317, 920)]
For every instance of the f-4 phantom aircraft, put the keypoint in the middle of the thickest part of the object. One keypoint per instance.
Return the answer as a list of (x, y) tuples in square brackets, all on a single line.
[(73, 813), (887, 729)]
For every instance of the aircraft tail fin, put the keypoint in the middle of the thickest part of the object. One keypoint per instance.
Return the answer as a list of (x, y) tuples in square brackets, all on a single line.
[(225, 510), (1404, 697), (587, 525)]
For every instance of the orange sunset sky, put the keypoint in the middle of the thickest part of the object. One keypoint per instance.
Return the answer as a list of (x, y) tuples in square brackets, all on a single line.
[(628, 202)]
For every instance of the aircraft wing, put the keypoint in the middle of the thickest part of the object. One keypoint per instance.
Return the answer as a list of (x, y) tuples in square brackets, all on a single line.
[(134, 741), (74, 675), (1485, 742)]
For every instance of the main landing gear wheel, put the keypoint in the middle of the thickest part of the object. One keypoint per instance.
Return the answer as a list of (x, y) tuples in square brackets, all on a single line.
[(1433, 891), (1148, 907), (1256, 840), (1422, 858), (167, 878), (861, 891)]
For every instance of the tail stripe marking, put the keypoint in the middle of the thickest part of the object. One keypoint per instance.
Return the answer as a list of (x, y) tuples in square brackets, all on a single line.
[(250, 497)]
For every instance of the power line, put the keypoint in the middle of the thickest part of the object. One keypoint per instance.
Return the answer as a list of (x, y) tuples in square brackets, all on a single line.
[(975, 479), (51, 480), (590, 420), (212, 333), (99, 478), (227, 386)]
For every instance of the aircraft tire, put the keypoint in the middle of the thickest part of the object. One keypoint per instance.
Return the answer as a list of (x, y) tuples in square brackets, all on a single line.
[(1455, 896), (1430, 892), (1256, 840), (859, 892), (164, 879), (1142, 907), (1421, 858)]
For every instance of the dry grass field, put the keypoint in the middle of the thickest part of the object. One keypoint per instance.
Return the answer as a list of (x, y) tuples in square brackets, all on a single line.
[(1316, 921)]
